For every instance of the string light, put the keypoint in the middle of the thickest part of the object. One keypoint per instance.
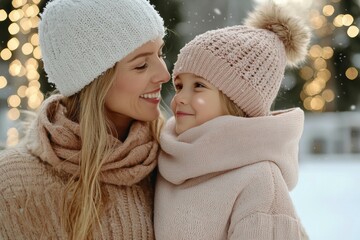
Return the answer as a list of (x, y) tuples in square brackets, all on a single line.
[(12, 137), (316, 93), (13, 114), (351, 73), (328, 10), (24, 68), (13, 44), (5, 54), (3, 82), (328, 95), (3, 15), (24, 20), (353, 31), (22, 91), (347, 20)]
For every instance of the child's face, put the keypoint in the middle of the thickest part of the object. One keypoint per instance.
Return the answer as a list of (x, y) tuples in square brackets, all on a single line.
[(196, 101)]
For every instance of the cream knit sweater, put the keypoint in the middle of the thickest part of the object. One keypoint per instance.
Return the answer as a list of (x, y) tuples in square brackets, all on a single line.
[(33, 175), (229, 179)]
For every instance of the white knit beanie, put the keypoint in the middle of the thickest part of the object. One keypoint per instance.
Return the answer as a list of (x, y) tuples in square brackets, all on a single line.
[(81, 39)]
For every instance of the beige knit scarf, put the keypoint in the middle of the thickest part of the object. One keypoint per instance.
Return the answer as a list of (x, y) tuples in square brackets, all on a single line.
[(56, 140)]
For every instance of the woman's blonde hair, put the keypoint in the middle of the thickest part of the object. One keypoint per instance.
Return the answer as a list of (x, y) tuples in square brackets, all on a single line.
[(83, 196), (230, 107)]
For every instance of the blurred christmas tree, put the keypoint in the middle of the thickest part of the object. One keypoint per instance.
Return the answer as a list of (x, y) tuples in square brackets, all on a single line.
[(329, 81), (347, 56)]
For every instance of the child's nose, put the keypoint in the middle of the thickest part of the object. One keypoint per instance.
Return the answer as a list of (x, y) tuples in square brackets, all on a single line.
[(181, 97)]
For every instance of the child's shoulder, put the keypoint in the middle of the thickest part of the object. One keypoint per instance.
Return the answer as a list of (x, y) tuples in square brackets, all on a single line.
[(263, 174)]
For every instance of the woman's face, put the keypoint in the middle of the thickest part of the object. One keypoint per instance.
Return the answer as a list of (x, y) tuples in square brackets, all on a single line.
[(196, 101), (135, 93)]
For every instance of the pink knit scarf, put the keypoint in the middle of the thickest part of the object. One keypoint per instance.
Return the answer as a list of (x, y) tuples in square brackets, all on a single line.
[(56, 140), (229, 142)]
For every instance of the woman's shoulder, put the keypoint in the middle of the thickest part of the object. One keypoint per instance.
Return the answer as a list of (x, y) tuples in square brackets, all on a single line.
[(11, 158), (14, 156), (20, 170), (29, 189)]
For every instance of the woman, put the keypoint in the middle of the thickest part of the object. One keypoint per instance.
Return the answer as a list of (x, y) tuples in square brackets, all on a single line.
[(83, 171)]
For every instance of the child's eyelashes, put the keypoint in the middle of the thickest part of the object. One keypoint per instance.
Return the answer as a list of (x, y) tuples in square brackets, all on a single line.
[(196, 85), (178, 87), (199, 85)]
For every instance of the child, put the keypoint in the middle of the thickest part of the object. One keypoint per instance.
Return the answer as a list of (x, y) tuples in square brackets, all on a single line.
[(228, 163)]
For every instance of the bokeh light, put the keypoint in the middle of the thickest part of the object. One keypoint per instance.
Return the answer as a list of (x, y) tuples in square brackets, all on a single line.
[(14, 101), (328, 10), (3, 82), (3, 15), (12, 137), (347, 20), (5, 54), (14, 28), (351, 73), (328, 95), (13, 114), (353, 31), (13, 43)]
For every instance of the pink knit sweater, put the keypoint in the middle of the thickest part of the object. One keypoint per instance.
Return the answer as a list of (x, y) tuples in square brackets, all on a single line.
[(33, 176), (229, 179)]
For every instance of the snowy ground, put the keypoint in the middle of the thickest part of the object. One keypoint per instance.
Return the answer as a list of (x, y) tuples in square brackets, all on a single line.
[(327, 197)]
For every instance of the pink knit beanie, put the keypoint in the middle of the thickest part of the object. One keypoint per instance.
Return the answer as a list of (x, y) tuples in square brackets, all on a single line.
[(247, 62)]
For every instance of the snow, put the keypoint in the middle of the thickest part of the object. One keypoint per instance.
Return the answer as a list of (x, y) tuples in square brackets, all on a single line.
[(327, 197), (217, 11)]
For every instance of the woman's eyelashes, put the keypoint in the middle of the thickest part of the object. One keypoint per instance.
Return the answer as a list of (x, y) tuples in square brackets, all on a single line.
[(145, 65), (141, 67), (162, 55)]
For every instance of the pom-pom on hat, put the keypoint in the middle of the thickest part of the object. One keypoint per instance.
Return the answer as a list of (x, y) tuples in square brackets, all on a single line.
[(81, 39), (247, 62)]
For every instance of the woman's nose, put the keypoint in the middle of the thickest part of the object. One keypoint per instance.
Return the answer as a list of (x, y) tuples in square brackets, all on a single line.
[(163, 74)]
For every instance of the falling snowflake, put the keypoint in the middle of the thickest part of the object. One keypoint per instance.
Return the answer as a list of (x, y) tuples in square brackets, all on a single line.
[(217, 11)]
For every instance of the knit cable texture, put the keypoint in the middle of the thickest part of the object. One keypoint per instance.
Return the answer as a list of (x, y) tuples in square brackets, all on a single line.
[(229, 178), (82, 39), (33, 177), (247, 62)]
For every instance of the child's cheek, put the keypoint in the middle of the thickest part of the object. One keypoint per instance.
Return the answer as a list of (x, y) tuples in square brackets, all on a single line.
[(200, 101)]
